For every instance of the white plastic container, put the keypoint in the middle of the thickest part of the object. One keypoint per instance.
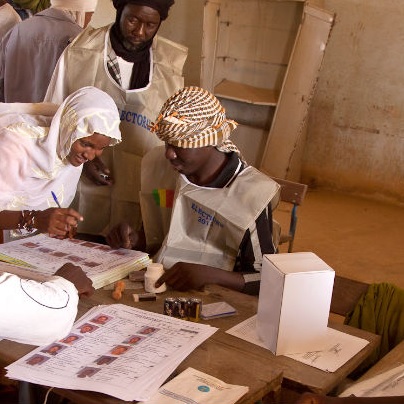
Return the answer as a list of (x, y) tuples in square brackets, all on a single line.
[(153, 272)]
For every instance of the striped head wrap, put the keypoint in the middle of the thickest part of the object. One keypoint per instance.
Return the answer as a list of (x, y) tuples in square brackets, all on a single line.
[(192, 118)]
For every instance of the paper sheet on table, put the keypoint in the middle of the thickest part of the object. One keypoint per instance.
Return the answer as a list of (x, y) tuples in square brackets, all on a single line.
[(193, 386), (389, 383), (114, 349), (340, 347)]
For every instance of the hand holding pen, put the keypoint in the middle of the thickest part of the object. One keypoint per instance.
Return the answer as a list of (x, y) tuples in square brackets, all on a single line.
[(58, 222)]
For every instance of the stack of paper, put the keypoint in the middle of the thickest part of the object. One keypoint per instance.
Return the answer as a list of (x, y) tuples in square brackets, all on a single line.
[(117, 350), (387, 384), (44, 255)]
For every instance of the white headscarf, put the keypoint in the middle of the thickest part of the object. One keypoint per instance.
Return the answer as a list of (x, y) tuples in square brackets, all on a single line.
[(35, 140), (76, 8), (75, 5)]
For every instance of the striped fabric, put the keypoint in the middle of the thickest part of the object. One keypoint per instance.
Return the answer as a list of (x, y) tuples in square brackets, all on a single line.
[(163, 197), (113, 67), (192, 118)]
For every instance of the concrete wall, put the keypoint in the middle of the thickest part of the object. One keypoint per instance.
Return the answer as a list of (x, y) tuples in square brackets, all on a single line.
[(355, 137)]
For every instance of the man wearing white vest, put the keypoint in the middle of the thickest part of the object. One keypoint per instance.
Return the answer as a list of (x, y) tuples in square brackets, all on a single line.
[(221, 221), (139, 70)]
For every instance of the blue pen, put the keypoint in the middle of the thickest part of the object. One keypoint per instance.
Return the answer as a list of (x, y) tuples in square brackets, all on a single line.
[(55, 199)]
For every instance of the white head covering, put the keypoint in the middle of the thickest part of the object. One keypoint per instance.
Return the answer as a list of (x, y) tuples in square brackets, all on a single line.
[(75, 5), (77, 9), (35, 140)]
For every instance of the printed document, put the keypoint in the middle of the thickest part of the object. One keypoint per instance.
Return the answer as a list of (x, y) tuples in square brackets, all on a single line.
[(114, 349), (43, 255)]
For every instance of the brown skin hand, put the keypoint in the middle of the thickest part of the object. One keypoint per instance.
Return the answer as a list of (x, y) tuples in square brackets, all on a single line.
[(76, 275)]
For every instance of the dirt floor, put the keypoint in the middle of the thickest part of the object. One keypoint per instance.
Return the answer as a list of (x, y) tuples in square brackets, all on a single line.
[(359, 238)]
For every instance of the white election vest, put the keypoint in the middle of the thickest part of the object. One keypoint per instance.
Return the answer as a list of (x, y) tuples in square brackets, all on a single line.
[(208, 224), (84, 63)]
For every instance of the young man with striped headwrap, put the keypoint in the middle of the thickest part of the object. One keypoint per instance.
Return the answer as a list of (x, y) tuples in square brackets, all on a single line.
[(221, 222)]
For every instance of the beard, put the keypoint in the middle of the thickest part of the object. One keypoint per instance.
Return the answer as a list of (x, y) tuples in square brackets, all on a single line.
[(131, 47)]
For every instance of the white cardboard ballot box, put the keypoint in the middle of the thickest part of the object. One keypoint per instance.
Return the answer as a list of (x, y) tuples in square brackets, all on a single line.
[(294, 302)]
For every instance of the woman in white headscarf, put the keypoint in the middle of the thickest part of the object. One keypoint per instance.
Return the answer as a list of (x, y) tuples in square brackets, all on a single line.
[(43, 148)]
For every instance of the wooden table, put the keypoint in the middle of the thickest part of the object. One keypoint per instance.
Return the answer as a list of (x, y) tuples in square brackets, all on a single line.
[(224, 356), (296, 375), (214, 357)]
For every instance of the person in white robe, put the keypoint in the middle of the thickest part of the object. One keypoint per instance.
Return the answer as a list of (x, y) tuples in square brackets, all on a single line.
[(43, 148), (37, 313)]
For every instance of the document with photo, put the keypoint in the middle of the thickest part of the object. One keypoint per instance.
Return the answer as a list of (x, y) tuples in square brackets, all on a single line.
[(118, 350), (41, 255)]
